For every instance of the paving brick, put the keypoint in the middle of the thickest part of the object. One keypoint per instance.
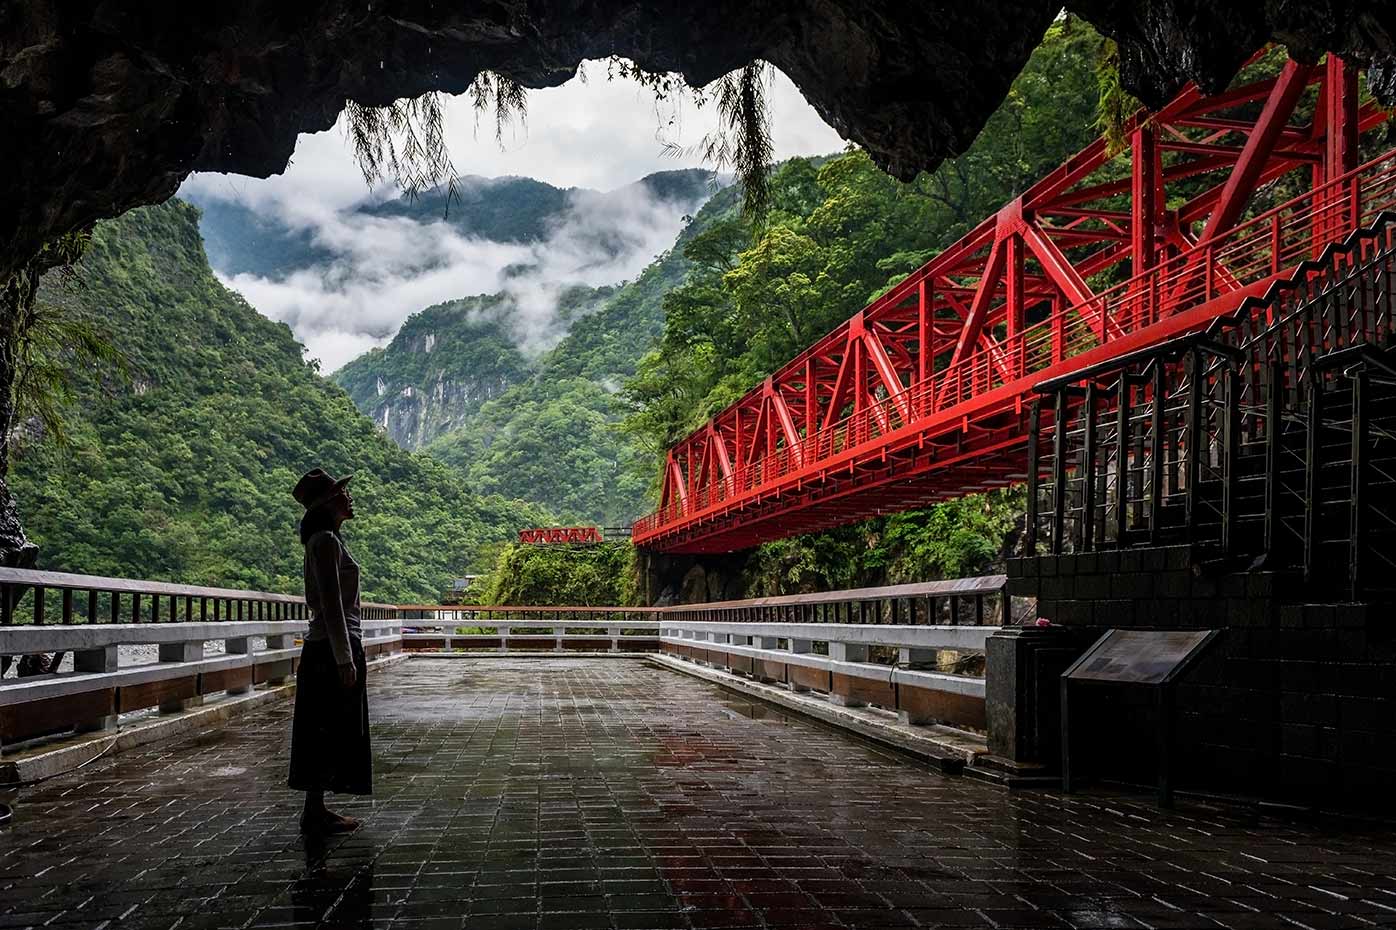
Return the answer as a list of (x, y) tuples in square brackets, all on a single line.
[(574, 793)]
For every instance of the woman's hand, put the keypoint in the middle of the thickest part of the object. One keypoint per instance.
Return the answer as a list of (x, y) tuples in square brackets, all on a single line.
[(348, 675)]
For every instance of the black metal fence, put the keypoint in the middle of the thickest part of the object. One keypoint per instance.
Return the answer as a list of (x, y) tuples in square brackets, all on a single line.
[(1272, 433)]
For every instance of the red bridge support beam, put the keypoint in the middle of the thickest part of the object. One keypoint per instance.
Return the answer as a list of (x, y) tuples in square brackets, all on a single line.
[(1240, 184)]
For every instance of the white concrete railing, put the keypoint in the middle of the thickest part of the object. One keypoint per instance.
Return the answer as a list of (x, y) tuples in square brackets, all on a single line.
[(771, 639), (532, 636), (785, 653), (98, 689)]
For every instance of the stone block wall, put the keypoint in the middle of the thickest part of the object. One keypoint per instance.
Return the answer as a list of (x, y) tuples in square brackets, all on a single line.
[(1295, 703)]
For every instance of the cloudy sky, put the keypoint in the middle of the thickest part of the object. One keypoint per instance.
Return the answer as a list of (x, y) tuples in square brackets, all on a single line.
[(595, 133)]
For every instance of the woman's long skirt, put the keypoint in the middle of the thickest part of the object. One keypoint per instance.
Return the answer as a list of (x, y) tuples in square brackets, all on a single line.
[(329, 733)]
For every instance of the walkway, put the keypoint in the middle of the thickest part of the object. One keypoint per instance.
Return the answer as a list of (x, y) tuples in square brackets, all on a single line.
[(572, 793)]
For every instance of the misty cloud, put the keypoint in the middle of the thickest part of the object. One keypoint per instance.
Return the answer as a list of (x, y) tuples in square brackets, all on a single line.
[(389, 268), (603, 239), (596, 133)]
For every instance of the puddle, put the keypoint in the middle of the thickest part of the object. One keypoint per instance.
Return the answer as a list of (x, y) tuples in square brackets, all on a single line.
[(228, 771)]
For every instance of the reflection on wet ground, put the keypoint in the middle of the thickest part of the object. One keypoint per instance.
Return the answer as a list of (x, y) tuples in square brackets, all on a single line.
[(756, 710), (603, 793)]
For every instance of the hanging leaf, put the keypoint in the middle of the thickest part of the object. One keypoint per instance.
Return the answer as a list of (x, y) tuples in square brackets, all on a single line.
[(1114, 105)]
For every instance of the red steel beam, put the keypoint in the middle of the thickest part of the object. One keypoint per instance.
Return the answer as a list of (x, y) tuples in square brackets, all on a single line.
[(1260, 143)]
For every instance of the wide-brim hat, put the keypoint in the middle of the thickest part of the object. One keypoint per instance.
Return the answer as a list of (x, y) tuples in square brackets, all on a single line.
[(317, 486)]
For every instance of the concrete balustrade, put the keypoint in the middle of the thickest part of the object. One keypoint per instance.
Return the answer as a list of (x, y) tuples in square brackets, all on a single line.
[(99, 690), (858, 647), (541, 635), (844, 669)]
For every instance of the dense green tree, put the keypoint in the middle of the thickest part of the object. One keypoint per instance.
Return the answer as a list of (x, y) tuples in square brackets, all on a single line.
[(553, 442), (550, 436), (582, 575), (184, 474)]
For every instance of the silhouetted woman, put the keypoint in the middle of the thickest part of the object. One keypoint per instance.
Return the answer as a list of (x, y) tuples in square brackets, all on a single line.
[(329, 734)]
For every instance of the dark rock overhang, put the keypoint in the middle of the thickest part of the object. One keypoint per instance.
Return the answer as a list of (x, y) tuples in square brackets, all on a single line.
[(108, 105)]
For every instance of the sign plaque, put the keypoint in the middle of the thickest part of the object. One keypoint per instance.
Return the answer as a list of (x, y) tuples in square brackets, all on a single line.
[(1154, 659), (1143, 657)]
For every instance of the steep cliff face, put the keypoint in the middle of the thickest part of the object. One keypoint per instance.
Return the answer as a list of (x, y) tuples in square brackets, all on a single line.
[(446, 362), (413, 417), (449, 360), (108, 106), (443, 364)]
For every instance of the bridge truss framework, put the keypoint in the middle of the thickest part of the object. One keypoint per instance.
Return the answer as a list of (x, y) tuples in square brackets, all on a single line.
[(922, 395)]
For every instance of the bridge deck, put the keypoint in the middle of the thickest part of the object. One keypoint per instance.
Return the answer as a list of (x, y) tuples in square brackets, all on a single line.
[(564, 793)]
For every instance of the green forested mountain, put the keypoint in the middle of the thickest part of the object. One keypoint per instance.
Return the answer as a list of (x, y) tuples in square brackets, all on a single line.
[(240, 239), (184, 472), (549, 437), (445, 362)]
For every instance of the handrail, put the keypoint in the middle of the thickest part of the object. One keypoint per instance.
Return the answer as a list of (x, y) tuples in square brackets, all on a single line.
[(944, 588), (984, 584), (74, 582), (1173, 347), (523, 608), (973, 587), (1355, 354), (940, 636), (80, 637)]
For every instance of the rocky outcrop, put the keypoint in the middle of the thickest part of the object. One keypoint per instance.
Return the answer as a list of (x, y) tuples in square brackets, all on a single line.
[(110, 105), (666, 580), (1164, 43), (412, 418)]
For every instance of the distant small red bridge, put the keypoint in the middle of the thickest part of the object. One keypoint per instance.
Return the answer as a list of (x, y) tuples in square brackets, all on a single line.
[(573, 534), (922, 396)]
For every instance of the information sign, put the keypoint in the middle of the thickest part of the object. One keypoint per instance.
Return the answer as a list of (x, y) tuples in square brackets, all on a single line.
[(1143, 657)]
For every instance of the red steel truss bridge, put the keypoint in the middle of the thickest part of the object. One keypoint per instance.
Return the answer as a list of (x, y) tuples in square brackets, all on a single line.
[(922, 395)]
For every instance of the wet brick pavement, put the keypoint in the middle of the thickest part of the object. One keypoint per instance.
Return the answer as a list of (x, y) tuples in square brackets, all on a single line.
[(572, 793)]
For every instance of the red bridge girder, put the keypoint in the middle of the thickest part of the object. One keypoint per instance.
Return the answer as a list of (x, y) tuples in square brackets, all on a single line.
[(921, 396), (550, 535)]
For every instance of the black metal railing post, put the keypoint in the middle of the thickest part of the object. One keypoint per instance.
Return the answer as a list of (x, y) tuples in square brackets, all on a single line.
[(1231, 453), (1273, 435), (1357, 523), (1059, 472), (1312, 463), (1086, 531), (1192, 447), (1121, 457), (1156, 452), (1034, 425)]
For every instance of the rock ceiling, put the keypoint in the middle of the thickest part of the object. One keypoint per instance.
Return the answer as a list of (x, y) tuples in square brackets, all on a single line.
[(109, 105)]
